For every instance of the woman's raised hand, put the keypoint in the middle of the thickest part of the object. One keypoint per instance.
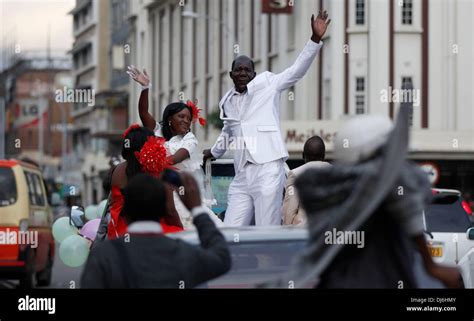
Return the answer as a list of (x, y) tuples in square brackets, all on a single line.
[(140, 77)]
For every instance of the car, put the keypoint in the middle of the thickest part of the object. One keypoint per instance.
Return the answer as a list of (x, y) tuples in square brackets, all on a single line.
[(464, 204), (449, 231), (263, 254), (27, 246), (259, 254)]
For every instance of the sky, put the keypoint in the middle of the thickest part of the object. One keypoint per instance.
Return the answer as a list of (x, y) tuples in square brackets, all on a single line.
[(25, 22)]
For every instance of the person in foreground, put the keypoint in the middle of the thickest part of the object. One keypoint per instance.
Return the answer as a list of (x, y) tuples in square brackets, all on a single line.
[(149, 259), (374, 198)]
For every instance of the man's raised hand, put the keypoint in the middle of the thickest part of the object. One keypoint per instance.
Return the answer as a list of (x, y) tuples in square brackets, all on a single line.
[(319, 25), (140, 77)]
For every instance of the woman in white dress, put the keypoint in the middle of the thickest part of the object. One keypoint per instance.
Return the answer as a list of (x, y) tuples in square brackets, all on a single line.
[(181, 143)]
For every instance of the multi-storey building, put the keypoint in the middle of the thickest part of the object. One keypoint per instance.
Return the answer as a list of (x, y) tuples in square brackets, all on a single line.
[(373, 49), (36, 121)]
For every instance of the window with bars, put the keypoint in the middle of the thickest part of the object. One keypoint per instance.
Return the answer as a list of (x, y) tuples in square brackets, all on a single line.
[(407, 12), (360, 12), (360, 84), (407, 82), (360, 104)]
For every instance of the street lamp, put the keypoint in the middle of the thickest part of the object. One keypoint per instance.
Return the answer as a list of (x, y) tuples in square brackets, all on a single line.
[(195, 15)]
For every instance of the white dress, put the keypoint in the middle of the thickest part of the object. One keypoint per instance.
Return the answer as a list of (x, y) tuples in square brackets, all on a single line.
[(191, 164)]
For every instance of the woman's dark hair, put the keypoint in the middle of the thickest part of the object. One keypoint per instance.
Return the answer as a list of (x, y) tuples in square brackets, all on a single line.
[(132, 143), (144, 199), (170, 110)]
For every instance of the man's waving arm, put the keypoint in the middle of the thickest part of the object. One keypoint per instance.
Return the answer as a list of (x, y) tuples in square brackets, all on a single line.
[(291, 75)]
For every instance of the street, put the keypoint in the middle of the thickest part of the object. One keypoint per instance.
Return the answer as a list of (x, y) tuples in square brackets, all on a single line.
[(64, 277)]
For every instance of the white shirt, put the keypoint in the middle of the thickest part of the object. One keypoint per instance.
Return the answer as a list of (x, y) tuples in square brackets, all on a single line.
[(188, 142), (140, 227), (236, 101)]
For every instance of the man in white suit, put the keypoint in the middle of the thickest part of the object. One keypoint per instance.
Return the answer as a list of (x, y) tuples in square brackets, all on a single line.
[(251, 115)]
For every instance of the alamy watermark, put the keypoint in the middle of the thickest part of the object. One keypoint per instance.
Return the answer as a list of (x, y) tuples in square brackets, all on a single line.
[(70, 95), (14, 237), (400, 96), (37, 304), (345, 238), (228, 142)]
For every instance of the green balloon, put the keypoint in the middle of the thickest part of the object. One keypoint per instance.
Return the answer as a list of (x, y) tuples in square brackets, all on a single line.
[(74, 250), (91, 212), (101, 208), (62, 229)]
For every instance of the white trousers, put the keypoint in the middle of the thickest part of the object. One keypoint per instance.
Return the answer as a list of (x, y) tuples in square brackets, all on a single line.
[(256, 189)]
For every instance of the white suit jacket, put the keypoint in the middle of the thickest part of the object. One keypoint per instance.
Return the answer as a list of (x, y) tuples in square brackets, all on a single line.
[(259, 123)]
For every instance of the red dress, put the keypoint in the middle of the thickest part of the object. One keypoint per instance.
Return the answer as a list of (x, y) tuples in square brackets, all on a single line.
[(118, 227)]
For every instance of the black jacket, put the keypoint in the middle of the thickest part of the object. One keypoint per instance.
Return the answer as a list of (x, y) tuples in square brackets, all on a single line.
[(157, 261)]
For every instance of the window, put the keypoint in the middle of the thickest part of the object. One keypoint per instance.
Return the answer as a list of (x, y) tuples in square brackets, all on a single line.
[(407, 96), (76, 22), (40, 200), (360, 12), (360, 84), (8, 192), (256, 262), (35, 189), (118, 57), (360, 104), (291, 103), (291, 30), (407, 83), (407, 12), (31, 188), (327, 99), (273, 32), (360, 97)]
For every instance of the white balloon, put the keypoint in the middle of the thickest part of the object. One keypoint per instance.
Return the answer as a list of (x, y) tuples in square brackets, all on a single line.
[(62, 229), (91, 212), (74, 251)]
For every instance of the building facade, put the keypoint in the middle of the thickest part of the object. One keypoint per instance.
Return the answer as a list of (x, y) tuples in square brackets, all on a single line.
[(372, 50), (36, 122)]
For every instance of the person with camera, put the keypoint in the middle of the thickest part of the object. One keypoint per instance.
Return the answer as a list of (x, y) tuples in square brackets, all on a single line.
[(150, 259)]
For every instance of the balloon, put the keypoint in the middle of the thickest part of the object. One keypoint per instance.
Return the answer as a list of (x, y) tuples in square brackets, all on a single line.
[(91, 212), (74, 250), (101, 208), (89, 229), (62, 229)]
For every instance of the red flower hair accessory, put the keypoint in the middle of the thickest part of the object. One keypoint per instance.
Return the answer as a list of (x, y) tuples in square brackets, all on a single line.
[(196, 112), (153, 156), (129, 129)]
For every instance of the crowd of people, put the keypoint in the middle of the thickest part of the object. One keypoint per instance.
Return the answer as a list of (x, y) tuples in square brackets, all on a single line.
[(132, 249)]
